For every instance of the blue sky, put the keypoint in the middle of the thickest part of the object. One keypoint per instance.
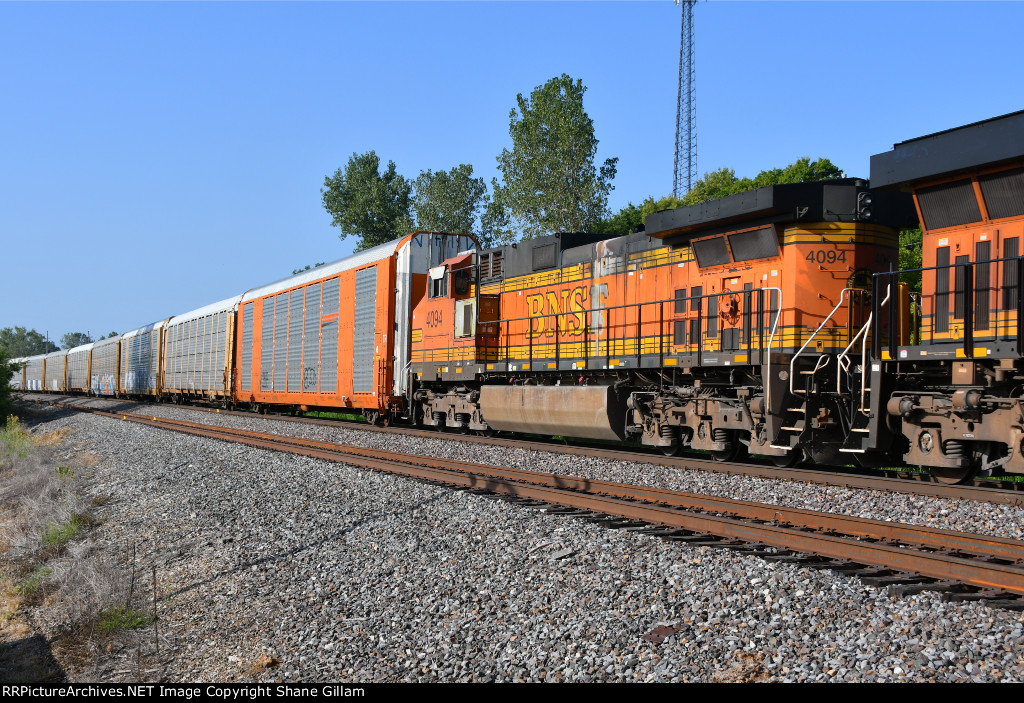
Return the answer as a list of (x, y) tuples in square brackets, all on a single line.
[(156, 157)]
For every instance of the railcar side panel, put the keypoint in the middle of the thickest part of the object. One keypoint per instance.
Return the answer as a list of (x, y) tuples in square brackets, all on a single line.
[(34, 373), (141, 360), (106, 355), (198, 351), (79, 368), (55, 371)]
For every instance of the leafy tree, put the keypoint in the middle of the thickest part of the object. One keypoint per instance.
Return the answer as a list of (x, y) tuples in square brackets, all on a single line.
[(307, 267), (7, 370), (367, 204), (19, 341), (109, 336), (910, 257), (718, 184), (631, 217), (74, 339), (550, 181), (449, 201), (723, 182)]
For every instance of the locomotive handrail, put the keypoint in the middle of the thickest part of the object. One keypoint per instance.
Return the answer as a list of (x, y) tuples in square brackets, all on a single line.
[(588, 328), (768, 364), (792, 362), (965, 293), (843, 359), (864, 354)]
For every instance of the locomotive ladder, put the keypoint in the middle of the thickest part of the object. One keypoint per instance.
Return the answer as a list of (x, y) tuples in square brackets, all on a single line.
[(862, 420), (795, 421)]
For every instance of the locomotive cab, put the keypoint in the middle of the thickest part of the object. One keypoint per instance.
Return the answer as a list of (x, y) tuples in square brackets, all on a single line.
[(956, 391)]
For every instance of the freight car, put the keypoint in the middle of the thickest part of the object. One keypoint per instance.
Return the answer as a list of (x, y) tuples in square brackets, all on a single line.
[(951, 400), (721, 327)]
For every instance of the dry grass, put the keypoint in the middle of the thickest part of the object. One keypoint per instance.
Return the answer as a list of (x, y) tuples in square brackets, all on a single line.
[(746, 667), (69, 600), (54, 438)]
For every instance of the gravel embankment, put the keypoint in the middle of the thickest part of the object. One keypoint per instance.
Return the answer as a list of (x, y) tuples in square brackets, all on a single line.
[(966, 516), (345, 574)]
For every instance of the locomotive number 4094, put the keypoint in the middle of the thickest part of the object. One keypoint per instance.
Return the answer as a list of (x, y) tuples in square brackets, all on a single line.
[(434, 318), (826, 256)]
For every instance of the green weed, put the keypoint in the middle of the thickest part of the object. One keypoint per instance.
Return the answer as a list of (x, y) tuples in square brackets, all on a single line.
[(123, 618), (15, 443), (31, 584), (56, 535)]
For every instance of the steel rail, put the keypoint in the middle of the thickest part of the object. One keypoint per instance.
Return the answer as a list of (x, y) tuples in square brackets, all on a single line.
[(750, 522), (934, 538), (985, 494)]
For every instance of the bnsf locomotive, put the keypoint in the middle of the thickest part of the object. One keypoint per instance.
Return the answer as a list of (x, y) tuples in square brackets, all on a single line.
[(771, 322)]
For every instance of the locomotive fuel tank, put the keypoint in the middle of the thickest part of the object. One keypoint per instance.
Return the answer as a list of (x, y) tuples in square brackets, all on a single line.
[(590, 412)]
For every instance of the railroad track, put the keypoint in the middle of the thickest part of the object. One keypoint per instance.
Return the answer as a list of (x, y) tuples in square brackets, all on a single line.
[(909, 557), (1002, 493)]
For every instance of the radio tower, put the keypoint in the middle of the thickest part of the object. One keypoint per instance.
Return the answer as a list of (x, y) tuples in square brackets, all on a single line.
[(686, 111)]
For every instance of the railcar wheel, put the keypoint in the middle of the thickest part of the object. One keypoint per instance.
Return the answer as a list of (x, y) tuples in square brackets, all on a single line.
[(372, 417), (952, 475)]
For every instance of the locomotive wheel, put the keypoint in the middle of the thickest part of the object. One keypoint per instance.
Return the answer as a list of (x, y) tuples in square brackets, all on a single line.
[(672, 449), (372, 417), (952, 475), (736, 452), (788, 460), (727, 455)]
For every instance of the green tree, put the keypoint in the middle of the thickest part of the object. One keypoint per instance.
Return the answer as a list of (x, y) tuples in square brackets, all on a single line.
[(7, 370), (550, 181), (364, 203), (109, 336), (19, 341), (449, 201), (723, 182), (631, 217), (910, 257), (74, 339), (307, 267)]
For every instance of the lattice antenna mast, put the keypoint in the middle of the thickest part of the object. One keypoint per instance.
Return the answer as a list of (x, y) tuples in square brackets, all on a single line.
[(686, 110)]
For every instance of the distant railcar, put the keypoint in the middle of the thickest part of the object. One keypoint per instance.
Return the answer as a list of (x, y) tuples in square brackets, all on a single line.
[(55, 366), (198, 352), (104, 366), (141, 360), (17, 381), (79, 368)]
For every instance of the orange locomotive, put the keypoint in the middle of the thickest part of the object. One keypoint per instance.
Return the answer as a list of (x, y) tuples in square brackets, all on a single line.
[(953, 396), (723, 327)]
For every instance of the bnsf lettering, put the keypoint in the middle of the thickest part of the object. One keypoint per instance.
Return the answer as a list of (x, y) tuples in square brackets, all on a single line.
[(565, 306), (434, 318)]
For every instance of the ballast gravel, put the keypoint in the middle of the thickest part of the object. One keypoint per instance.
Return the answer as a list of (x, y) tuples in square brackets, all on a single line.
[(960, 515), (342, 574)]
